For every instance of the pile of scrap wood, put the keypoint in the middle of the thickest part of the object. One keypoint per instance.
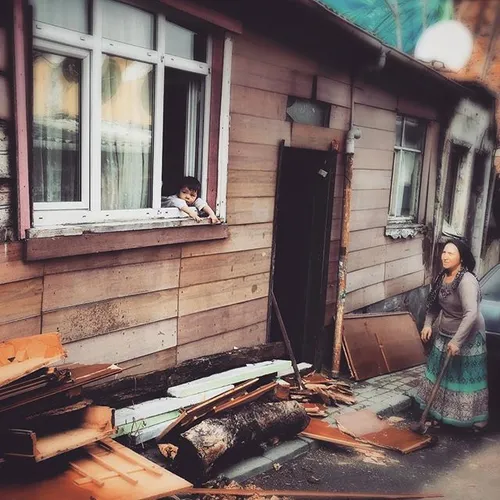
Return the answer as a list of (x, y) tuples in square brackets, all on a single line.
[(43, 415)]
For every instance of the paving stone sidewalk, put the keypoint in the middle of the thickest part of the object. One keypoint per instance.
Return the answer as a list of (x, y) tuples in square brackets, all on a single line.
[(385, 395)]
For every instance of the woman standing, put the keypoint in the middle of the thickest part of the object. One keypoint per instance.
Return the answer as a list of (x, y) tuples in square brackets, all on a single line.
[(453, 313)]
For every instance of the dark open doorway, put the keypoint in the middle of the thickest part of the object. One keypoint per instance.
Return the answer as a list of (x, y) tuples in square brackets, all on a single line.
[(302, 242)]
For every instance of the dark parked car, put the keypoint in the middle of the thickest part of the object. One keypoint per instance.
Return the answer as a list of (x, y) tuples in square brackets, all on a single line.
[(490, 307)]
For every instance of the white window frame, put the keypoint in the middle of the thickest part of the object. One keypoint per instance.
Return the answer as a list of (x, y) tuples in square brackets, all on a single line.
[(92, 47), (406, 220)]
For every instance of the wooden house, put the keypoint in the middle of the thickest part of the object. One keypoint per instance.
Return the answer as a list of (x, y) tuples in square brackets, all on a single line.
[(105, 105)]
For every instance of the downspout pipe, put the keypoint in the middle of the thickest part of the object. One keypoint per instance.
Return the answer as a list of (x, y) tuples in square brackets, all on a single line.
[(353, 134)]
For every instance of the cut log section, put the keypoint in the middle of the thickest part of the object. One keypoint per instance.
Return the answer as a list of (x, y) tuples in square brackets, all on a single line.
[(204, 444)]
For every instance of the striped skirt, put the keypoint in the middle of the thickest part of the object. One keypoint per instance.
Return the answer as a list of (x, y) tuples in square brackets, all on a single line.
[(462, 398)]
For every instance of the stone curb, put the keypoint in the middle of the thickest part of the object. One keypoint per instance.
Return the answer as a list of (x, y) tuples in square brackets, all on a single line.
[(288, 450)]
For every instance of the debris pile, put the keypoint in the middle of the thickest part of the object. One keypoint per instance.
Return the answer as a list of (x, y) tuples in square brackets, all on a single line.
[(44, 415)]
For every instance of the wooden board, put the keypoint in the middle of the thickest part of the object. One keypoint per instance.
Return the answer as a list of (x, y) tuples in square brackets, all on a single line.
[(99, 318), (404, 266), (333, 91), (367, 427), (21, 356), (224, 319), (365, 296), (366, 219), (250, 210), (96, 424), (320, 430), (246, 398), (81, 287), (320, 138), (251, 184), (255, 130), (21, 300), (368, 116), (381, 343), (102, 471), (248, 101), (365, 277), (247, 157), (404, 284), (371, 179), (22, 328)]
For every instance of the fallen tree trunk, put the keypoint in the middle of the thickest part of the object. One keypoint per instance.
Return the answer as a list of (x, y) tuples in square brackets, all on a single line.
[(204, 444)]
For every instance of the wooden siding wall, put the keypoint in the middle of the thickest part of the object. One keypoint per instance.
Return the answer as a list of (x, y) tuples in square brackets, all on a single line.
[(6, 175), (156, 307)]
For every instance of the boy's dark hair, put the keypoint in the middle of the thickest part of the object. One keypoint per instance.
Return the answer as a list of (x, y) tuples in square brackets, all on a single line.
[(192, 183)]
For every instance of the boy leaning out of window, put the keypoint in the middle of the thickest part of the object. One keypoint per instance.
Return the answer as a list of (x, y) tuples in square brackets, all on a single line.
[(186, 200)]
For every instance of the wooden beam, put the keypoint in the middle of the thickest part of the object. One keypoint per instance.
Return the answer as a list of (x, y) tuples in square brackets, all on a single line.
[(82, 244), (208, 15)]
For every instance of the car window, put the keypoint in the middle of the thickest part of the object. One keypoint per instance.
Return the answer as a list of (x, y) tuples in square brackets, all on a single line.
[(490, 287)]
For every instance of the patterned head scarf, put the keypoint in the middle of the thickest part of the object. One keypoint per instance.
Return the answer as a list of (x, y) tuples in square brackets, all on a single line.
[(468, 264)]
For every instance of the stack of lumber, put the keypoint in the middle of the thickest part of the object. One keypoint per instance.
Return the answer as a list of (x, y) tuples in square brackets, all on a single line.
[(44, 415)]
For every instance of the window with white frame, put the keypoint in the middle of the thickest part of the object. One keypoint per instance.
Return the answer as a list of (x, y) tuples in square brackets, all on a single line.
[(407, 169), (120, 111)]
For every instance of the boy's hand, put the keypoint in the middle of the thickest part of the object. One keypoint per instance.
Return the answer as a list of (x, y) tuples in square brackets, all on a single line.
[(214, 219), (197, 218)]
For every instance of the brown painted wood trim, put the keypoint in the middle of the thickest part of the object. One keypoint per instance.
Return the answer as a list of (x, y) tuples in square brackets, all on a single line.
[(206, 14), (214, 131), (66, 246)]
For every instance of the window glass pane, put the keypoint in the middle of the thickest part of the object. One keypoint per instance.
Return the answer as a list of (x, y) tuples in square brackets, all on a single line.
[(185, 43), (405, 184), (413, 134), (182, 128), (56, 128), (308, 112), (127, 24), (126, 128), (70, 14), (399, 130)]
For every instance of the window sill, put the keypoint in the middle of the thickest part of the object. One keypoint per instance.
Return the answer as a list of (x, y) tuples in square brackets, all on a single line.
[(403, 230), (83, 239)]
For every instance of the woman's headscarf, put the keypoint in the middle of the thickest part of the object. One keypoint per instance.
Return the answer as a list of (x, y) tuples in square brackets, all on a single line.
[(468, 264)]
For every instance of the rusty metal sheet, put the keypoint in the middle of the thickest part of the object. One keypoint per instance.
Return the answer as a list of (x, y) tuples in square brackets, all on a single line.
[(367, 427), (376, 344), (102, 471)]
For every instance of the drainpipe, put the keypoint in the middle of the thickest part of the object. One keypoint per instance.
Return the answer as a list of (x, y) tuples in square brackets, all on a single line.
[(353, 134)]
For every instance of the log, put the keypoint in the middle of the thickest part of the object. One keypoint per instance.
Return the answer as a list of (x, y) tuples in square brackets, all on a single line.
[(202, 446)]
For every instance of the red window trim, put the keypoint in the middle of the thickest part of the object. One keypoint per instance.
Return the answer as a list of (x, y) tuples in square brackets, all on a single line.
[(40, 248)]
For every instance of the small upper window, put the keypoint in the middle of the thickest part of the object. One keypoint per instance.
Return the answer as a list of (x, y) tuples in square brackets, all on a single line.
[(407, 169), (308, 112), (72, 15)]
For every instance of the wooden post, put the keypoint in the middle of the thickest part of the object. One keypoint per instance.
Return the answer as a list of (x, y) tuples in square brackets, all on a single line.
[(342, 283)]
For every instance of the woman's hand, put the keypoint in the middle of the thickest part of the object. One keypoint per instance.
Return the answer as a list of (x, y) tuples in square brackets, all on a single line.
[(426, 334), (453, 349)]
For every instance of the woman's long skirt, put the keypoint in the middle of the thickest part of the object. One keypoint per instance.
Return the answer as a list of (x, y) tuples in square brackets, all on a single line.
[(462, 399)]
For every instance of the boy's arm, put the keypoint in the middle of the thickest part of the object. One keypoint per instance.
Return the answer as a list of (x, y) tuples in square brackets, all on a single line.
[(203, 205), (191, 213)]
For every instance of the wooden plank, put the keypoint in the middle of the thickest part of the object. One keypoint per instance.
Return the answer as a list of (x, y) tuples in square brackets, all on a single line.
[(372, 138), (365, 296), (92, 243), (207, 296), (371, 95), (320, 430), (125, 344), (224, 266), (404, 283), (367, 238), (402, 267), (366, 219), (21, 328), (364, 199), (365, 277), (373, 159), (99, 318), (251, 184), (251, 129), (94, 285), (250, 210), (22, 356), (260, 75), (20, 300), (112, 259), (335, 229), (367, 116), (222, 320), (333, 92), (340, 117), (262, 49), (417, 109), (371, 179), (18, 270), (246, 237), (255, 102), (366, 258), (5, 99), (11, 251), (337, 207), (4, 55), (320, 138), (252, 157), (155, 362)]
